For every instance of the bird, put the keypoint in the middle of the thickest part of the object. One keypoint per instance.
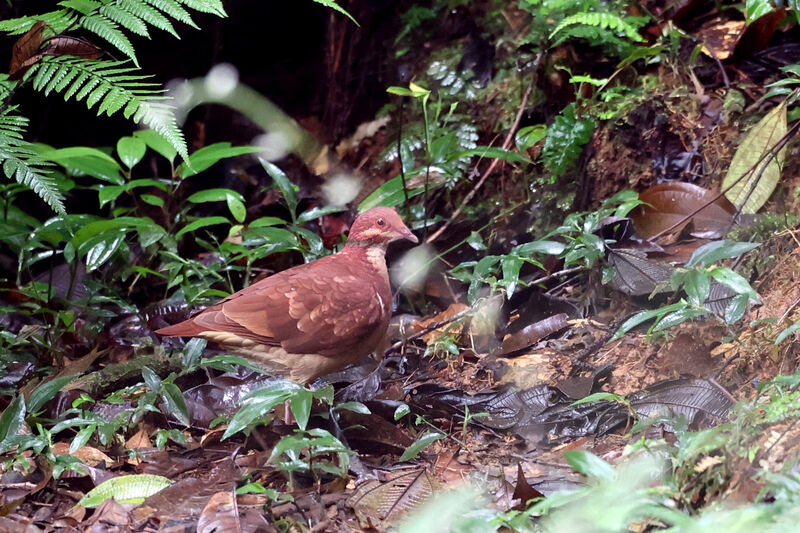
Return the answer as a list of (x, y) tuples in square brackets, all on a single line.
[(312, 319)]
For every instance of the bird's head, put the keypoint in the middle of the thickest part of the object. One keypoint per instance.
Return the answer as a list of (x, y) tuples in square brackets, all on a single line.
[(378, 226)]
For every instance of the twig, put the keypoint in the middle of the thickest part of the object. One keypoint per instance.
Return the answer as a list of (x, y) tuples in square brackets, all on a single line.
[(431, 327), (438, 233)]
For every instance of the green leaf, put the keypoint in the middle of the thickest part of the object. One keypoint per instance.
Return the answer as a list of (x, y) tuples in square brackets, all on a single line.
[(565, 140), (125, 489), (316, 212), (644, 316), (201, 223), (259, 403), (101, 248), (589, 465), (493, 152), (401, 411), (211, 154), (131, 150), (336, 7), (175, 403), (82, 437), (301, 407), (733, 281), (678, 317), (697, 285), (539, 247), (236, 207), (11, 420), (779, 339), (152, 200), (44, 392), (389, 194), (192, 352), (156, 142), (420, 444), (736, 308), (710, 253), (151, 379), (529, 135), (755, 9), (287, 188), (752, 192), (355, 407)]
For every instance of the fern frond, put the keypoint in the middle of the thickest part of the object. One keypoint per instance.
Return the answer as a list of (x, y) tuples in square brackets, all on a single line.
[(112, 87), (174, 10), (124, 18), (107, 29), (206, 6), (601, 20), (148, 14), (21, 161), (57, 20)]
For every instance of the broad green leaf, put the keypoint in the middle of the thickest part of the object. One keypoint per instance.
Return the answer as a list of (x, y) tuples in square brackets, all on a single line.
[(175, 403), (389, 194), (752, 191), (151, 379), (589, 465), (529, 135), (236, 207), (201, 223), (678, 317), (779, 339), (125, 489), (259, 403), (152, 200), (131, 150), (157, 143), (643, 316), (11, 420), (733, 281), (101, 248), (316, 212), (539, 247), (214, 195), (736, 308), (44, 392), (192, 352), (493, 152), (82, 437), (355, 407), (301, 407), (511, 265), (401, 411), (710, 253), (755, 9), (420, 444), (287, 188), (697, 285), (211, 154), (565, 139)]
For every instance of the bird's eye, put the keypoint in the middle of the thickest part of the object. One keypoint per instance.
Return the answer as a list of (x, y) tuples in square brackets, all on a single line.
[(381, 222)]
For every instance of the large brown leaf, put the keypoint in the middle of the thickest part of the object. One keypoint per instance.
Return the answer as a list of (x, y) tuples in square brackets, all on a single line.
[(671, 203)]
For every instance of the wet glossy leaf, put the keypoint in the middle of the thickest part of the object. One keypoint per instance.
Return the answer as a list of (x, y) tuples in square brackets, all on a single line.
[(733, 281), (401, 411), (175, 403), (101, 248), (529, 135), (259, 403), (157, 143), (46, 391), (736, 308), (11, 420), (211, 154), (201, 223)]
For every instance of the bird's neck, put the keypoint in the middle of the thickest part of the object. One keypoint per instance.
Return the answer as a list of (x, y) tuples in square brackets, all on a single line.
[(373, 253)]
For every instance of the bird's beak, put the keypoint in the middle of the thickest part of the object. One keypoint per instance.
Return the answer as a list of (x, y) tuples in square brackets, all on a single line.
[(406, 234)]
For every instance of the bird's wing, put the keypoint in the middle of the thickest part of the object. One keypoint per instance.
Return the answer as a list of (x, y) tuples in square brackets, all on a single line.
[(324, 307)]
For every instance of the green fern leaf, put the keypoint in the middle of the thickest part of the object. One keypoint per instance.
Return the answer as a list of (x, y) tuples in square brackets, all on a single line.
[(58, 21), (126, 19), (602, 20), (174, 10), (206, 6), (21, 162), (85, 7), (111, 86), (148, 14), (565, 140), (109, 30)]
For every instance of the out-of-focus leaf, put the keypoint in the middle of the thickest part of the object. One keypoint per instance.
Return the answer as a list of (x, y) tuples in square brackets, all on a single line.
[(420, 444), (157, 143), (494, 152), (565, 140), (529, 135), (125, 489), (316, 212), (779, 339), (736, 308), (401, 411), (589, 465), (749, 194)]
